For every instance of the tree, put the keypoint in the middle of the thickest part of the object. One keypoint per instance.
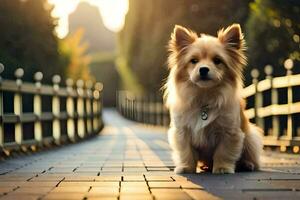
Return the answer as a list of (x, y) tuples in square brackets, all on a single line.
[(148, 25), (273, 34), (28, 39), (75, 54)]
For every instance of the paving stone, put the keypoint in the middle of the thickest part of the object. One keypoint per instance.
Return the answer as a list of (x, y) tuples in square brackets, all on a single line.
[(20, 196), (86, 173), (133, 164), (114, 178), (164, 185), (79, 178), (201, 195), (252, 185), (104, 191), (39, 184), (272, 175), (170, 194), (292, 184), (135, 190), (136, 197), (134, 184), (33, 190), (6, 189), (89, 184), (47, 178), (102, 198), (70, 189), (64, 196), (5, 178), (11, 184), (133, 178), (116, 173), (112, 164), (189, 185), (158, 178), (134, 169), (158, 169), (160, 173), (179, 178), (276, 195), (111, 169)]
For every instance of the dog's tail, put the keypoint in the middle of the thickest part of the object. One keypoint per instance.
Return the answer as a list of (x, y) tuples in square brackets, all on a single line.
[(250, 159)]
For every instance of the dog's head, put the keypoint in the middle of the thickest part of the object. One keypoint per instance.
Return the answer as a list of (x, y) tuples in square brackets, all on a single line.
[(207, 61)]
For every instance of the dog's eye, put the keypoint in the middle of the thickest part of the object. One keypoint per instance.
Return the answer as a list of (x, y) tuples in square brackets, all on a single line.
[(194, 61), (217, 60)]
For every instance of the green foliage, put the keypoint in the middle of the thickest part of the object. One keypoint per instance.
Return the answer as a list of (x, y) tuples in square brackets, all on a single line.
[(273, 31), (102, 57), (74, 51), (27, 39), (142, 42)]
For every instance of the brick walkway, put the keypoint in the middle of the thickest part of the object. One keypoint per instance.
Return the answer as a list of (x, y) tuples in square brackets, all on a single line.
[(131, 161)]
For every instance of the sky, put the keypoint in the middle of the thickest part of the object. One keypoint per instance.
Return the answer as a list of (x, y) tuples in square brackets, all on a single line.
[(113, 13)]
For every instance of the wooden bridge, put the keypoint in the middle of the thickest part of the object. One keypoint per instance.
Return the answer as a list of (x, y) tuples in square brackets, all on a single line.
[(58, 150)]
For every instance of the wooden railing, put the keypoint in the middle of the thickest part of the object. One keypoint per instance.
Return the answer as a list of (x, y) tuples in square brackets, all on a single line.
[(276, 107), (273, 104), (147, 109), (34, 115)]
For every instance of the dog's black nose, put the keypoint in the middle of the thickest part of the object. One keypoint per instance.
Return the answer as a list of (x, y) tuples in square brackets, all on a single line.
[(203, 71)]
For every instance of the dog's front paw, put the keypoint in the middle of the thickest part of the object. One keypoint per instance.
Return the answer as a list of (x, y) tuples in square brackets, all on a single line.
[(223, 170), (182, 170)]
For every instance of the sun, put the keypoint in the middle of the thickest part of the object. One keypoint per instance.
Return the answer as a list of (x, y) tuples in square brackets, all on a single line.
[(112, 11)]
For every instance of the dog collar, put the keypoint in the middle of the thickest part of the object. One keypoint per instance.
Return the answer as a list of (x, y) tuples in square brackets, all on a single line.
[(204, 112)]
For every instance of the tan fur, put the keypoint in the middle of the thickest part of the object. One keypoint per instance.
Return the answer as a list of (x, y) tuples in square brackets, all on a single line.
[(226, 140)]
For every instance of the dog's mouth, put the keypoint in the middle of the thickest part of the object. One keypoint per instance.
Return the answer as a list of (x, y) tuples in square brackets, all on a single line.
[(206, 81), (205, 78)]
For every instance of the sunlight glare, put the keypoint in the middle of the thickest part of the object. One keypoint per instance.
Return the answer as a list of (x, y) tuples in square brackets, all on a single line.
[(112, 11)]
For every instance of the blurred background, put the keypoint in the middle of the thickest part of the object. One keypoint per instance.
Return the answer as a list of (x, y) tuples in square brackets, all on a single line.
[(122, 43)]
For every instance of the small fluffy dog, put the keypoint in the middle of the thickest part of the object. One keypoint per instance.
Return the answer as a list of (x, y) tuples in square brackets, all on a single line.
[(203, 93)]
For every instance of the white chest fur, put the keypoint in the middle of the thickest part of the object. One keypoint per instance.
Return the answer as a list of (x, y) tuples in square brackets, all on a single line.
[(195, 120)]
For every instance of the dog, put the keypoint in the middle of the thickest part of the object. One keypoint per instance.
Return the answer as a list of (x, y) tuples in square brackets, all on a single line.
[(203, 93)]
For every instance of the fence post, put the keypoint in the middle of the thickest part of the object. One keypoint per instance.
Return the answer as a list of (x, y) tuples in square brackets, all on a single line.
[(80, 109), (89, 95), (145, 110), (160, 110), (18, 106), (37, 107), (139, 108), (274, 101), (97, 105), (258, 99), (96, 95), (119, 101), (70, 110), (56, 108), (1, 108), (152, 109), (126, 104), (288, 64)]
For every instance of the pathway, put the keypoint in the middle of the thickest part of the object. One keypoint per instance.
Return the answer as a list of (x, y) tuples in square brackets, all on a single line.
[(131, 161)]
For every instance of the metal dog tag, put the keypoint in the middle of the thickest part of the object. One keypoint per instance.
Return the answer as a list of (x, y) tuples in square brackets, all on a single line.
[(204, 113)]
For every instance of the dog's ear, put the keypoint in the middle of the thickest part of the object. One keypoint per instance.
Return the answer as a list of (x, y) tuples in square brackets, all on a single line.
[(181, 38), (232, 36)]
